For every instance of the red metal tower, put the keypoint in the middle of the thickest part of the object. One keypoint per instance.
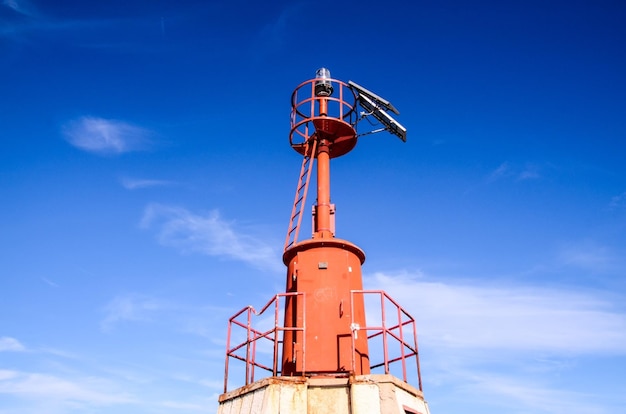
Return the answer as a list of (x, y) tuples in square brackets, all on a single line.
[(321, 340), (325, 269)]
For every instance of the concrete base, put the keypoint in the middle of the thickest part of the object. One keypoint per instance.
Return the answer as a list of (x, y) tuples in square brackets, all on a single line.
[(363, 394)]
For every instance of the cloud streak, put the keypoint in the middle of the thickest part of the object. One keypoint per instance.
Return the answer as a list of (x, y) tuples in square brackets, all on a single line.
[(535, 395), (508, 318), (513, 344), (23, 20), (90, 391), (105, 136), (21, 7), (56, 382), (8, 344), (506, 170), (130, 308), (208, 234), (618, 202), (136, 184), (166, 314), (272, 36), (586, 255)]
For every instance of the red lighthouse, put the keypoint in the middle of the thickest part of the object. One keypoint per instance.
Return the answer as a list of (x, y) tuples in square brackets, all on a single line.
[(322, 355)]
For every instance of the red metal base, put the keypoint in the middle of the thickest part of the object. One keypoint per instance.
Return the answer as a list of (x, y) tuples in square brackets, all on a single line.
[(325, 271)]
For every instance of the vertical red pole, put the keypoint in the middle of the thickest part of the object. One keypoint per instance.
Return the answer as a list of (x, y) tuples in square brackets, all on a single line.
[(323, 229), (322, 222)]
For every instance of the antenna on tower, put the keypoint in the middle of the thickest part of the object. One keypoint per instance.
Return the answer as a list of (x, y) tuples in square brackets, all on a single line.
[(377, 106)]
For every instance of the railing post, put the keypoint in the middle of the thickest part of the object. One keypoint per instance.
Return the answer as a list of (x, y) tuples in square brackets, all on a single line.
[(384, 328), (253, 359), (417, 356), (248, 347), (402, 343), (276, 316), (352, 339), (303, 333), (227, 355)]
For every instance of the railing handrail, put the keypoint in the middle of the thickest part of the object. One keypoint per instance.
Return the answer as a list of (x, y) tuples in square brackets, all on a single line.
[(253, 335), (403, 319), (408, 346)]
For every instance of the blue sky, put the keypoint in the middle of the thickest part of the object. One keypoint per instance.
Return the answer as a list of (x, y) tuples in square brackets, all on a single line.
[(146, 184)]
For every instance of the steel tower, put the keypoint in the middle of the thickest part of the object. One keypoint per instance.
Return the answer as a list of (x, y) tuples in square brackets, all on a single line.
[(318, 351)]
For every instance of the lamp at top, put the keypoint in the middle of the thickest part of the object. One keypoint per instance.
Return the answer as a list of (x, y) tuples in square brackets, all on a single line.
[(323, 85)]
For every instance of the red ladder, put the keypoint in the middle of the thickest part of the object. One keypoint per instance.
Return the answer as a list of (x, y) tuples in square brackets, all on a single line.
[(300, 198)]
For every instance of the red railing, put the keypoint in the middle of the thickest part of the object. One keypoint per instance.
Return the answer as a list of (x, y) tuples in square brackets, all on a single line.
[(392, 325), (395, 336), (342, 105), (254, 337)]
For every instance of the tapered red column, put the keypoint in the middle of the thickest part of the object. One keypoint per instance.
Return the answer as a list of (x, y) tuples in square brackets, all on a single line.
[(322, 210)]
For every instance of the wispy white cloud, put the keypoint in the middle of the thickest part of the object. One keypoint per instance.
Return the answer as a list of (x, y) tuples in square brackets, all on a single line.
[(508, 318), (10, 344), (100, 386), (166, 313), (187, 406), (524, 394), (272, 35), (49, 282), (511, 343), (138, 183), (503, 170), (130, 308), (105, 136), (618, 201), (22, 7), (84, 391), (529, 171), (208, 234), (26, 19), (586, 255)]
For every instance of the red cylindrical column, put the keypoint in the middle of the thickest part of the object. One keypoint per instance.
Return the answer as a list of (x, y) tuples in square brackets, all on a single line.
[(325, 320), (322, 209)]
